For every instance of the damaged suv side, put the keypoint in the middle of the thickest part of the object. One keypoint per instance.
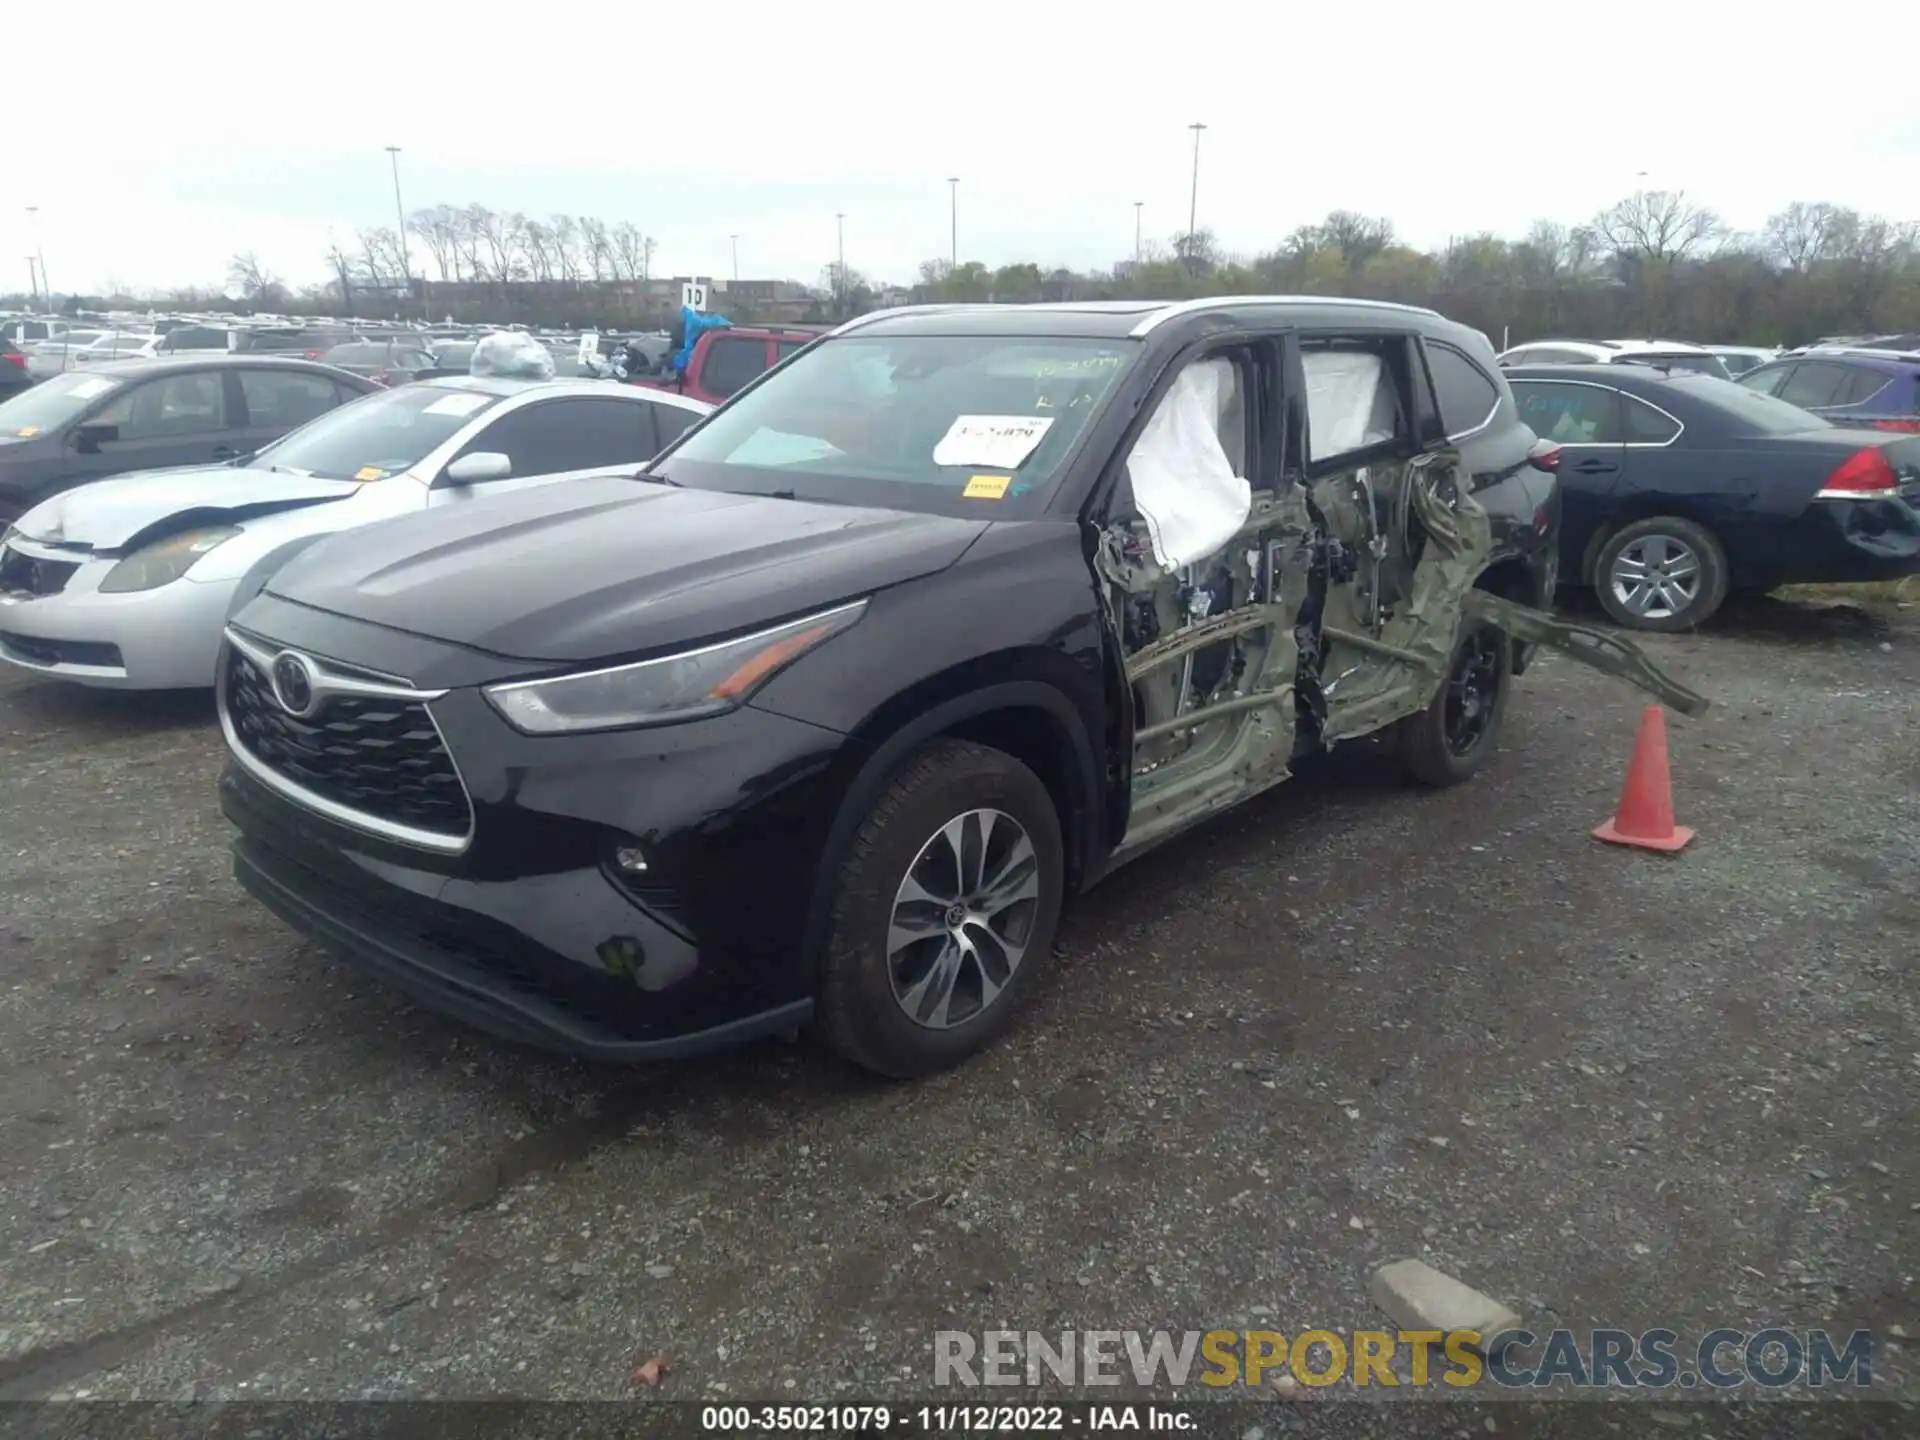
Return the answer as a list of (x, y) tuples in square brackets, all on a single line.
[(820, 718)]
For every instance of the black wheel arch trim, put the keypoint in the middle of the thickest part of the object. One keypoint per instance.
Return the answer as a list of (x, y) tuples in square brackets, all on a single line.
[(1083, 829)]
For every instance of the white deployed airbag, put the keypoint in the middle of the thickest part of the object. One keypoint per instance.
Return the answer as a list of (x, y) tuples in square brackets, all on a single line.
[(1183, 483), (1349, 401)]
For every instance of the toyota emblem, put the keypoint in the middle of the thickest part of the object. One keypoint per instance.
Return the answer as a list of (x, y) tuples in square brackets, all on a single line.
[(292, 678)]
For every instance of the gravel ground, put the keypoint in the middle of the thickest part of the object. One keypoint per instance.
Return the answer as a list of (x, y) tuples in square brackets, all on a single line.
[(1345, 1024)]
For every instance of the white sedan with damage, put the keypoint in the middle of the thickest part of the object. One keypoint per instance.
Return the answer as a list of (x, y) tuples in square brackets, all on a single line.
[(125, 583)]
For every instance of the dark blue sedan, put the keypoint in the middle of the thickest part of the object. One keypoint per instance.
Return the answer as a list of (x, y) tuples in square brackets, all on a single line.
[(1678, 489)]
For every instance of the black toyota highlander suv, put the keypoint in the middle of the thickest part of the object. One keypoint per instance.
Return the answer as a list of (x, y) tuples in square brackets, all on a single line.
[(819, 718)]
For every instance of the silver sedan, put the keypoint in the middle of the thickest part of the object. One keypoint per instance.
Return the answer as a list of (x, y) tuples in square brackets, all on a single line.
[(125, 583)]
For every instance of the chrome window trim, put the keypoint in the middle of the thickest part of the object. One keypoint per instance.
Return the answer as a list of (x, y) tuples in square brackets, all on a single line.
[(332, 682), (1608, 444)]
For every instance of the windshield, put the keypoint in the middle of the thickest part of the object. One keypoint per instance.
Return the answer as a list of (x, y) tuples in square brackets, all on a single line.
[(52, 404), (1752, 411), (936, 423), (377, 436)]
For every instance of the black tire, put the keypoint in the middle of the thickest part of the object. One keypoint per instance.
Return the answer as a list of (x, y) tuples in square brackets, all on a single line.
[(1448, 742), (1710, 588), (859, 1014)]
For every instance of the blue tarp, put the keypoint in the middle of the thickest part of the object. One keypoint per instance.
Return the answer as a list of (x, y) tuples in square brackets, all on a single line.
[(697, 325)]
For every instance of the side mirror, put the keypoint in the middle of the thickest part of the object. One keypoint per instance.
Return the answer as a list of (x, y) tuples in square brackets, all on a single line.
[(88, 439), (479, 467)]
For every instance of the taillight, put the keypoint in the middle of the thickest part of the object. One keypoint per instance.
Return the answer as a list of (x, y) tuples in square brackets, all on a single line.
[(1905, 427), (310, 354), (13, 357), (381, 377), (1861, 476), (1547, 459)]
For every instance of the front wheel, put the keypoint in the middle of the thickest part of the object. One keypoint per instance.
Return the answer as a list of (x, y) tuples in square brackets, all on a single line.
[(1450, 740), (944, 911)]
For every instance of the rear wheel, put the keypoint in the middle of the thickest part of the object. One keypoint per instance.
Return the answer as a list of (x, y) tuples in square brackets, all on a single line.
[(944, 911), (1450, 740), (1661, 574)]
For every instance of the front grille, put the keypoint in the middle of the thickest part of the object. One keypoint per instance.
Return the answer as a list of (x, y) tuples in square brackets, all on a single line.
[(26, 575), (381, 758)]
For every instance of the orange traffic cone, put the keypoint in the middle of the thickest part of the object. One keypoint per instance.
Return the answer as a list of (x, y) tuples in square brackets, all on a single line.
[(1645, 816)]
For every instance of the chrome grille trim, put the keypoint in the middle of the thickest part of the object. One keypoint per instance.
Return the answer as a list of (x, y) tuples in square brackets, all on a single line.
[(333, 682)]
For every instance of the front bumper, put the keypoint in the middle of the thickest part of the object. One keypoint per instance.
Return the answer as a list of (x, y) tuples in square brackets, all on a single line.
[(509, 1001), (530, 930), (162, 639)]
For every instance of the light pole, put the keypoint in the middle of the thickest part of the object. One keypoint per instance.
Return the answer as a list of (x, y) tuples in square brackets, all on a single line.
[(400, 217), (33, 283), (953, 221), (735, 240), (840, 271), (39, 250), (1193, 204), (1138, 205)]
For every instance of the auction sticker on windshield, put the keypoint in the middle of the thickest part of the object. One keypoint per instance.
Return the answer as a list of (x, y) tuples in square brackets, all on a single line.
[(456, 404), (996, 442), (986, 487), (368, 472), (26, 432), (87, 389)]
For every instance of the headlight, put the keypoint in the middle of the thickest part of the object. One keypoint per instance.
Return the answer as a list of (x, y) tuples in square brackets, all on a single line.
[(164, 562), (687, 686)]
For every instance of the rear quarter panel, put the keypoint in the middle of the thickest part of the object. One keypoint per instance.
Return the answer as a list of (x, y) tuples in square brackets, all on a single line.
[(1747, 492)]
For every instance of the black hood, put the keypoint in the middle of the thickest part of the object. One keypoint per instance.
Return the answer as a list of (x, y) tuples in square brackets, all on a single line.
[(603, 568)]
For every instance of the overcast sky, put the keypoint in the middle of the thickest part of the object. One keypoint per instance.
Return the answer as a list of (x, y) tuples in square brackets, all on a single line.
[(159, 140)]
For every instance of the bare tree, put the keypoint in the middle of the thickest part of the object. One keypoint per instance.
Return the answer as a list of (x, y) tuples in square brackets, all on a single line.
[(473, 221), (343, 266), (537, 248), (1545, 255), (437, 229), (1358, 238), (1198, 251), (1803, 234), (382, 256), (247, 275), (1656, 225), (598, 246), (632, 251), (568, 254)]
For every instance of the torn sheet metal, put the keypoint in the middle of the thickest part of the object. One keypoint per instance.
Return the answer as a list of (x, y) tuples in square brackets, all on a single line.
[(1605, 652), (1184, 485), (1424, 626), (1350, 402)]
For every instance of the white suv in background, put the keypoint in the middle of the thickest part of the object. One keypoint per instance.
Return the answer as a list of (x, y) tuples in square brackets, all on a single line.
[(1669, 354)]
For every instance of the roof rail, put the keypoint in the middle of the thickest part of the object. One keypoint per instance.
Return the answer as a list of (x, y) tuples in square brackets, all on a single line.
[(872, 315), (1222, 302)]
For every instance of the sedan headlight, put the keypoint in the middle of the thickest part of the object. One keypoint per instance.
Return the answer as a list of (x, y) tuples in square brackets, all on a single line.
[(164, 561), (707, 681)]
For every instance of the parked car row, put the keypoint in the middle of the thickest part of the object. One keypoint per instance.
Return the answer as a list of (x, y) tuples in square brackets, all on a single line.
[(615, 723)]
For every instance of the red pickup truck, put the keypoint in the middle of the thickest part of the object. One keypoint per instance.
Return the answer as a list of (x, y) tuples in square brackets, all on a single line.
[(724, 361)]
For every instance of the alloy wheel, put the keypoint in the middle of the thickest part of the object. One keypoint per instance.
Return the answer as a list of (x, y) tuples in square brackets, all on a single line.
[(962, 918), (1656, 577), (1473, 690)]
